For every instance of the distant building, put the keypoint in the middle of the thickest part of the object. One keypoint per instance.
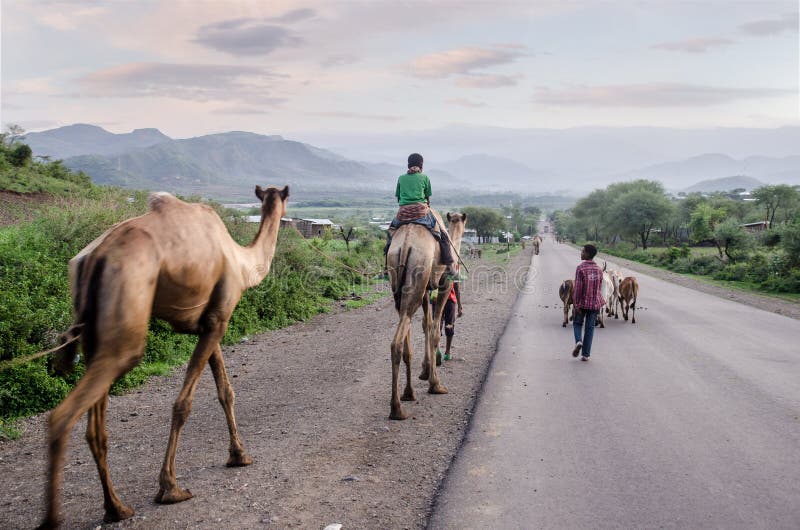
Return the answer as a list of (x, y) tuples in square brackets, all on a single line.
[(756, 227), (309, 228)]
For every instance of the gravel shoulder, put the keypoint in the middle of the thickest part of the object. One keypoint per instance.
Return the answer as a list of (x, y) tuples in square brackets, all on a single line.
[(312, 402)]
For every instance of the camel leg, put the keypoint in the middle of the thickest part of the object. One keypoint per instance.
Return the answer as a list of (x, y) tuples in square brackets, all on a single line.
[(633, 311), (408, 394), (97, 438), (566, 314), (426, 369), (89, 390), (169, 492), (432, 324), (238, 456), (403, 329)]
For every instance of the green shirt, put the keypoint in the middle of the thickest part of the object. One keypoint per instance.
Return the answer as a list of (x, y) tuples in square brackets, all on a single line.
[(413, 188)]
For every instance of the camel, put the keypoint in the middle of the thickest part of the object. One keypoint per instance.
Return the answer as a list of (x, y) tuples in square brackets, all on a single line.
[(414, 267), (537, 242), (178, 263)]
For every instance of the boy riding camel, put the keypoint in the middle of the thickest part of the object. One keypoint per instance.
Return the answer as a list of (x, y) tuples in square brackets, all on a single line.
[(413, 194)]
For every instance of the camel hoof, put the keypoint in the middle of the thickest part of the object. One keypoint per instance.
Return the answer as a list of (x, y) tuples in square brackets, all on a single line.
[(239, 459), (563, 324), (118, 513), (49, 524), (438, 389), (398, 414), (173, 495), (408, 395)]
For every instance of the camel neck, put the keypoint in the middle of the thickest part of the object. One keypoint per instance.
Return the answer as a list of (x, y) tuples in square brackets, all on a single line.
[(259, 253)]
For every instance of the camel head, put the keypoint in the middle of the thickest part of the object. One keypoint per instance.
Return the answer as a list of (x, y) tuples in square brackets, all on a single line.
[(272, 200), (457, 224)]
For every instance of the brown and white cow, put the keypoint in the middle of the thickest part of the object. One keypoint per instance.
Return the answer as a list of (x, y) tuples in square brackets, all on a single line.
[(628, 292), (565, 293)]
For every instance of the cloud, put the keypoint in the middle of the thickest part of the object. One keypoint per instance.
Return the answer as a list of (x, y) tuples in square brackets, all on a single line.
[(338, 60), (357, 116), (244, 36), (698, 45), (465, 103), (196, 82), (462, 61), (765, 27), (295, 15), (486, 81), (651, 95), (240, 110)]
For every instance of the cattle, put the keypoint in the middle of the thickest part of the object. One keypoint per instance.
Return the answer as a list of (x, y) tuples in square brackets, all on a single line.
[(607, 293), (565, 293), (616, 279), (628, 292)]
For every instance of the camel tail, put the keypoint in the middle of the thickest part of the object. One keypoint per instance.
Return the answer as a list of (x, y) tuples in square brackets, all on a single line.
[(85, 305), (397, 290)]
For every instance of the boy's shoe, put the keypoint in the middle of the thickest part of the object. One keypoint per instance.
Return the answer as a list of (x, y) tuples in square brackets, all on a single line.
[(438, 357), (577, 350), (585, 358), (447, 357)]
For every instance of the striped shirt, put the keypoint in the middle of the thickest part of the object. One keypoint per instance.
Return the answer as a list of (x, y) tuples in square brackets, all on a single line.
[(588, 280)]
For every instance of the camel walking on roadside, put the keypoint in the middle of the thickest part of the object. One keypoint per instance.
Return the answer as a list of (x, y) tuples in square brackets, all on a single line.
[(414, 267), (178, 263)]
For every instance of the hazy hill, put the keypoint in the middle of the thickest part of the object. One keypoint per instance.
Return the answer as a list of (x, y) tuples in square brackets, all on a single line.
[(82, 139), (725, 184), (496, 172), (579, 158), (682, 173), (228, 165)]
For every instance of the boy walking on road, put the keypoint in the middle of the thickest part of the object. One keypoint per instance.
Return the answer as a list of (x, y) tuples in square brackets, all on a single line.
[(587, 299)]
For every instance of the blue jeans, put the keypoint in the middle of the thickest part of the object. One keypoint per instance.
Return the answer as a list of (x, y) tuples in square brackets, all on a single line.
[(577, 326)]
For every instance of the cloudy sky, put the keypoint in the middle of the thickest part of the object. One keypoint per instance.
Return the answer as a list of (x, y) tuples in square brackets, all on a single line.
[(293, 66)]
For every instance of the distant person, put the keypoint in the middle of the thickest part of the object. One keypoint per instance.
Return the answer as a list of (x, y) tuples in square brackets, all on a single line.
[(413, 195), (452, 310), (587, 301)]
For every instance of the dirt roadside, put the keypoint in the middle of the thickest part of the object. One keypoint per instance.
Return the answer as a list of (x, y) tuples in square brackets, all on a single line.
[(312, 402)]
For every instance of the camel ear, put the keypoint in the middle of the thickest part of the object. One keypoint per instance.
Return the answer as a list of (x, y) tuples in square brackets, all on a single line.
[(259, 193), (285, 192), (448, 217), (464, 218)]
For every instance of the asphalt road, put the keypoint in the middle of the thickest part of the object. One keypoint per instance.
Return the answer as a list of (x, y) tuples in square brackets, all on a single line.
[(689, 418)]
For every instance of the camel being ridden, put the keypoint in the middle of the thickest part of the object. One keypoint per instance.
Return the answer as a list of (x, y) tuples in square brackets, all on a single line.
[(413, 262), (178, 263)]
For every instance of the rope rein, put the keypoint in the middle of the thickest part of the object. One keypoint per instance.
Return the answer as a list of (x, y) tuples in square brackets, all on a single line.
[(5, 365)]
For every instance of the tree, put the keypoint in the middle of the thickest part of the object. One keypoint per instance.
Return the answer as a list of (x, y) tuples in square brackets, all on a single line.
[(20, 155), (773, 198), (732, 240), (347, 236), (638, 212), (486, 221), (703, 221), (14, 133)]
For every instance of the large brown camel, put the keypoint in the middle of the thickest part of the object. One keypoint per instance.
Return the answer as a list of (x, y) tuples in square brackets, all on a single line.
[(178, 263), (414, 267)]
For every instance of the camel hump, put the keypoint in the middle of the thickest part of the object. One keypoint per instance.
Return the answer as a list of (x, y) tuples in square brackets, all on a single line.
[(157, 201)]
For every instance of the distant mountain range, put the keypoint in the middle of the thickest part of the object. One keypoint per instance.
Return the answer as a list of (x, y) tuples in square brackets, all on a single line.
[(228, 165), (725, 184)]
